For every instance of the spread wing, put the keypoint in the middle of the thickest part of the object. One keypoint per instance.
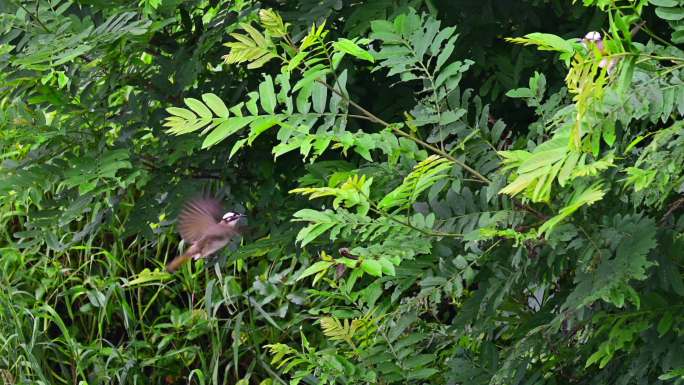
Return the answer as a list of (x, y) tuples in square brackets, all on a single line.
[(199, 217)]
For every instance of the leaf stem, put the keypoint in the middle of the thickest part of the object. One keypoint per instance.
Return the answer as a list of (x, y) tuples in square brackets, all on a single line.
[(35, 16), (378, 120), (406, 223)]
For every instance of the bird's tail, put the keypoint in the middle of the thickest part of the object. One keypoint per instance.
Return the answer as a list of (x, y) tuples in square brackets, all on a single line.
[(177, 262)]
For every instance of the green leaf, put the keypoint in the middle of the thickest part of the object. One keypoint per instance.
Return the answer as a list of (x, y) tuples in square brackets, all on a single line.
[(452, 71), (258, 63), (199, 108), (545, 42), (585, 197), (445, 53), (432, 281), (387, 267), (665, 324), (664, 3), (418, 360), (568, 166), (312, 231), (594, 358), (670, 14), (634, 142), (296, 60), (267, 95), (541, 159), (71, 53), (260, 125), (236, 147), (147, 277), (372, 267), (181, 112), (315, 268), (524, 93), (422, 374), (608, 132), (319, 96), (310, 76), (256, 36), (677, 373), (348, 46), (216, 105), (226, 129)]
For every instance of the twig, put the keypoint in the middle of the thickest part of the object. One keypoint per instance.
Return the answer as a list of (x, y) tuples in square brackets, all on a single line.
[(367, 115), (376, 119), (673, 207), (407, 223), (373, 118), (205, 176), (591, 240), (35, 17), (529, 209)]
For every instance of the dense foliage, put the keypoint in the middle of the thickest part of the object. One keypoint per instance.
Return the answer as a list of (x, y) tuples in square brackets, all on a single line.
[(419, 211)]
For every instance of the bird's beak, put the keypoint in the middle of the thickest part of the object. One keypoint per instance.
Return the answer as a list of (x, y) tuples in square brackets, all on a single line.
[(241, 220)]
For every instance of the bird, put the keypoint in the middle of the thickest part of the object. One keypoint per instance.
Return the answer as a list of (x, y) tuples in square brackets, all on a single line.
[(201, 224), (594, 38)]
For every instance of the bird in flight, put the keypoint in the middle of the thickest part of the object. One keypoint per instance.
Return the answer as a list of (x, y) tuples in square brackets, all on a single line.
[(201, 224)]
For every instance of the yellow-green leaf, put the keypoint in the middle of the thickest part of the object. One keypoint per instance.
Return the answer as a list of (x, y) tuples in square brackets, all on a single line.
[(348, 46)]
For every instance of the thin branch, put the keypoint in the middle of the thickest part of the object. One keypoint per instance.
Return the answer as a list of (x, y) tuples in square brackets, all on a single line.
[(591, 240), (529, 209), (406, 223), (35, 17), (363, 117), (369, 116), (205, 176), (373, 118), (673, 207), (409, 225), (376, 119), (444, 154)]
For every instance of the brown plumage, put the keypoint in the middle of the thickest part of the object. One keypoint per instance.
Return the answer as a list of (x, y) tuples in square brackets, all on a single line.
[(201, 225)]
